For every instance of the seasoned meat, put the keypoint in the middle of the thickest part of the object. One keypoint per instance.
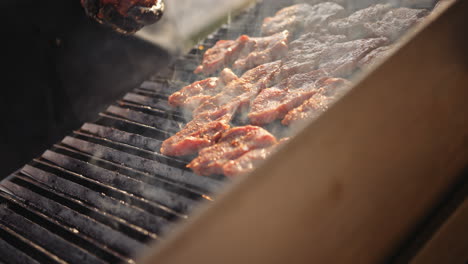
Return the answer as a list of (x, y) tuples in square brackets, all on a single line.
[(275, 102), (374, 56), (321, 14), (379, 20), (262, 50), (300, 17), (250, 160), (331, 55), (231, 145), (125, 16), (239, 93), (223, 53), (212, 117), (191, 96), (199, 133), (244, 53), (319, 102), (290, 18)]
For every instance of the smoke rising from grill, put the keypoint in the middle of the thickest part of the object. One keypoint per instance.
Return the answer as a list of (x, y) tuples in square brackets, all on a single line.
[(326, 44)]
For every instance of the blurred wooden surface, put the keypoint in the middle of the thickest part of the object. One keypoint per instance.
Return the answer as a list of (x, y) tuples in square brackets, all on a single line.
[(351, 186), (450, 243)]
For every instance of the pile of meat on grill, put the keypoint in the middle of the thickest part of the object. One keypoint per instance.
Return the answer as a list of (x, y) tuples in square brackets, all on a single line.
[(292, 73)]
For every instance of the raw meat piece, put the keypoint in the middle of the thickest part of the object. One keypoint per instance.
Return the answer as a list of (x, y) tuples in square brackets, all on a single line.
[(191, 96), (250, 160), (199, 133), (275, 102), (232, 144), (245, 52), (223, 53), (330, 89), (336, 58), (379, 20), (300, 17)]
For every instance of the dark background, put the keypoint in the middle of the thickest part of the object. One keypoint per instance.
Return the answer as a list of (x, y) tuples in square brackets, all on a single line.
[(60, 68)]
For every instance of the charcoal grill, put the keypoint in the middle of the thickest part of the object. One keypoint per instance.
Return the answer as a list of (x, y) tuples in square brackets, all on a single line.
[(105, 194)]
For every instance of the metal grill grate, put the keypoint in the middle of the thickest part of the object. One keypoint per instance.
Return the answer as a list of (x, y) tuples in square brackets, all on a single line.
[(104, 192)]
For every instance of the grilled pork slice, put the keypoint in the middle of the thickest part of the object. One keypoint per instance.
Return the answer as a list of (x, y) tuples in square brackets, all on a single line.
[(199, 133), (300, 17), (239, 93), (250, 160), (223, 53), (231, 145), (329, 53), (262, 50), (374, 56), (330, 89), (191, 96), (212, 117), (379, 20), (275, 102), (244, 53)]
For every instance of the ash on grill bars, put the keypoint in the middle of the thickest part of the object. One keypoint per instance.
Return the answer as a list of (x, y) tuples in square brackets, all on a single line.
[(113, 186)]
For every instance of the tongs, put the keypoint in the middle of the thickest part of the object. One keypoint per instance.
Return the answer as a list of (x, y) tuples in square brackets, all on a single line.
[(125, 16), (180, 23)]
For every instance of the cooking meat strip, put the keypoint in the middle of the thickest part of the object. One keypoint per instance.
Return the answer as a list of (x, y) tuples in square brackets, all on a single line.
[(199, 133), (275, 102), (231, 145), (223, 53), (329, 91), (302, 17), (327, 53), (244, 53), (250, 160), (213, 116), (239, 93), (191, 96), (381, 20)]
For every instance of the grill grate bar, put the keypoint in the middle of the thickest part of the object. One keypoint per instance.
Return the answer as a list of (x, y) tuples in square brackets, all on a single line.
[(164, 87), (114, 240), (120, 209), (26, 188), (134, 173), (136, 184), (169, 126), (64, 231), (169, 115), (34, 251), (55, 244), (149, 101), (145, 92), (12, 255), (154, 207), (152, 155), (136, 140), (141, 164), (160, 134)]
